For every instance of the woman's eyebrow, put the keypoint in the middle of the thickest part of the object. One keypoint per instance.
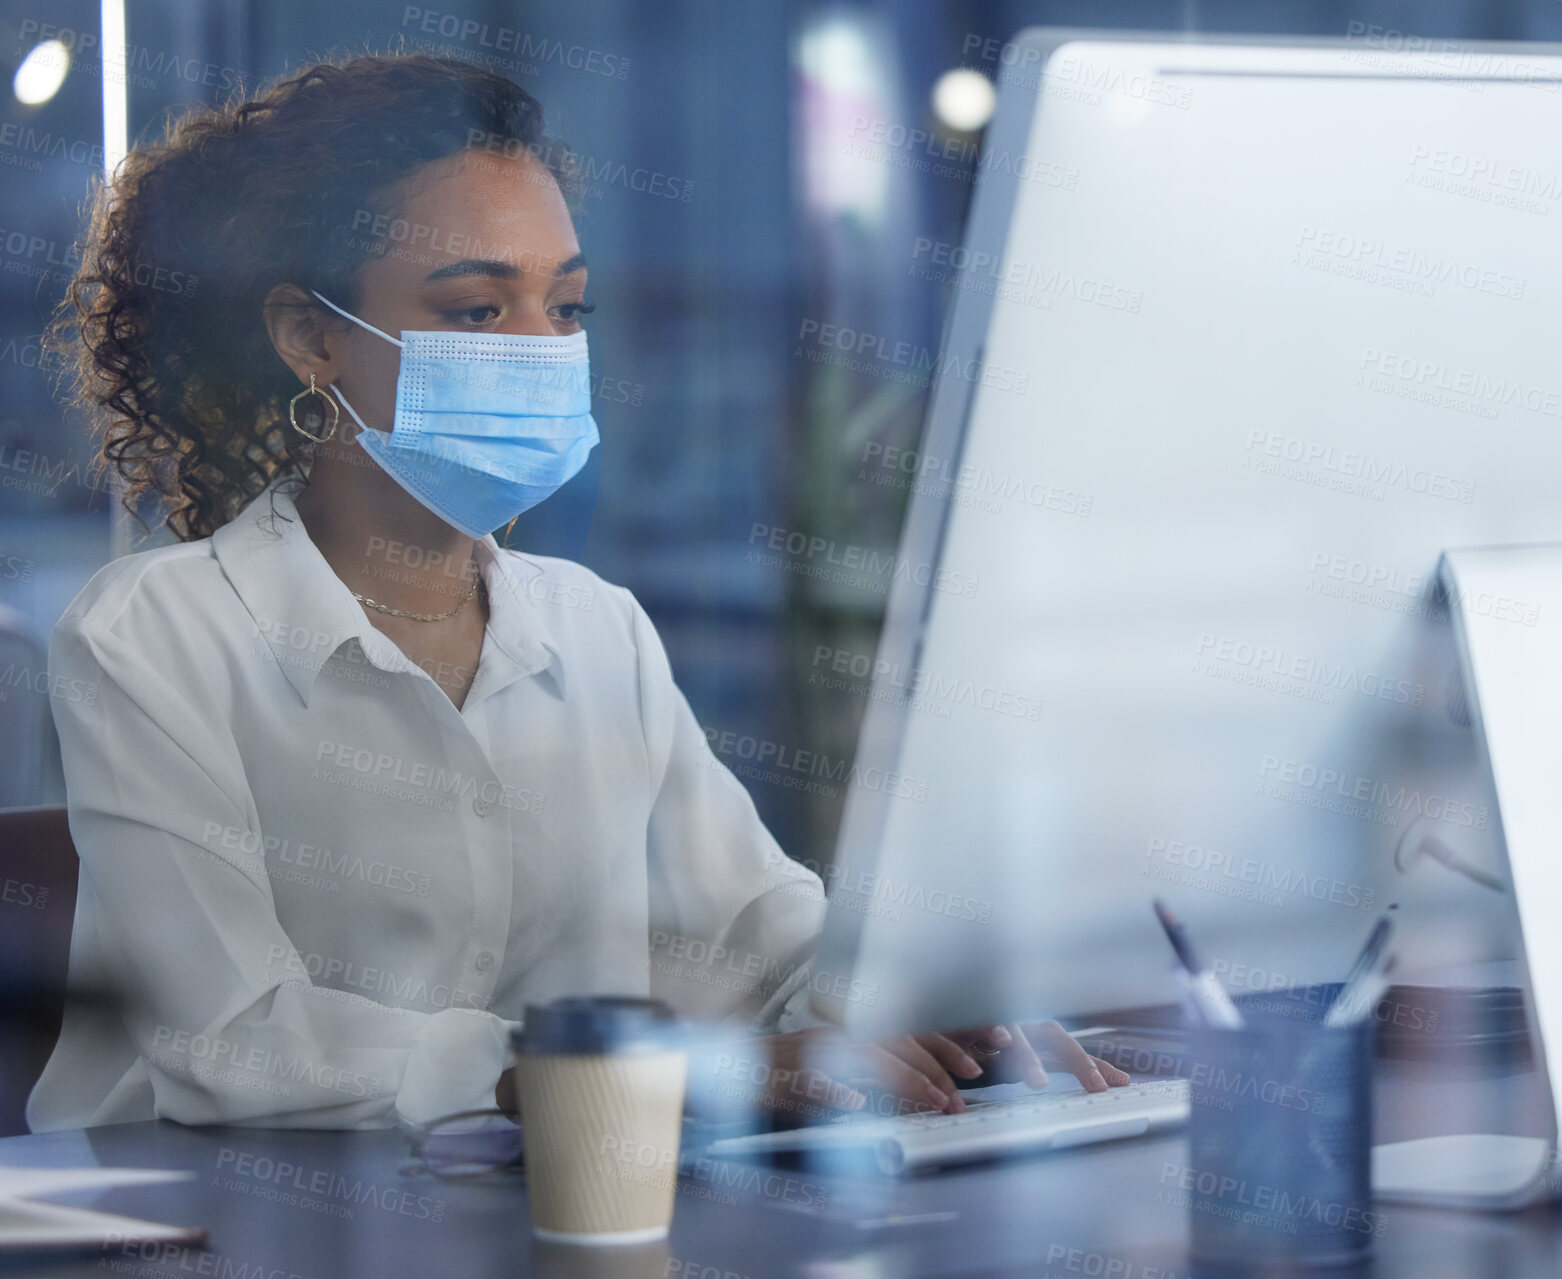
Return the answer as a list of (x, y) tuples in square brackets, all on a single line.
[(500, 269), (476, 266)]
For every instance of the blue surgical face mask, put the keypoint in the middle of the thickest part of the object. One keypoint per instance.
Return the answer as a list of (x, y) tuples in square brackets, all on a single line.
[(487, 424)]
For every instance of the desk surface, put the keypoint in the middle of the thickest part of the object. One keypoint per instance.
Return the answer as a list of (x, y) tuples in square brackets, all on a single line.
[(1101, 1213)]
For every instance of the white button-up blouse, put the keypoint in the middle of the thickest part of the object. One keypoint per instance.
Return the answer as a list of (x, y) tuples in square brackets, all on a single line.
[(323, 892)]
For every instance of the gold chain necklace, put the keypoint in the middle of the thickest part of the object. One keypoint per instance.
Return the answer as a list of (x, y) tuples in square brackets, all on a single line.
[(466, 599)]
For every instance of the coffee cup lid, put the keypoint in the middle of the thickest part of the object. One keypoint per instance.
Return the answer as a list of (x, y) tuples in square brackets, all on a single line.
[(590, 1024)]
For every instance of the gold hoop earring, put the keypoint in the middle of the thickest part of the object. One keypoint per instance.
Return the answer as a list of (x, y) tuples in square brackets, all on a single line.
[(292, 412)]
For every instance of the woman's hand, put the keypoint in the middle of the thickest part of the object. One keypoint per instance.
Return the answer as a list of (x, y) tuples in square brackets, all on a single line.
[(812, 1072), (1010, 1052)]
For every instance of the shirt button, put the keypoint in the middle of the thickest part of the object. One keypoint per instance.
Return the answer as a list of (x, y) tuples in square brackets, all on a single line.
[(485, 961), (482, 806)]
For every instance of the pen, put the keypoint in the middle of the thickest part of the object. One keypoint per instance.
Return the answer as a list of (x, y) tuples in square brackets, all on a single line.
[(1360, 1001), (1205, 991), (1190, 1006), (1366, 961)]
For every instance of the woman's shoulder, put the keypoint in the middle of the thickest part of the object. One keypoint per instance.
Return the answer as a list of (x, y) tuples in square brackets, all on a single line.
[(147, 592)]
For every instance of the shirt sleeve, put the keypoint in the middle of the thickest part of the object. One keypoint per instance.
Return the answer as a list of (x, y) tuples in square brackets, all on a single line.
[(189, 937), (733, 919)]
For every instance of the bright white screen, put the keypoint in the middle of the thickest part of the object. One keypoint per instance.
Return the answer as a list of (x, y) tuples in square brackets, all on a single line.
[(1278, 431)]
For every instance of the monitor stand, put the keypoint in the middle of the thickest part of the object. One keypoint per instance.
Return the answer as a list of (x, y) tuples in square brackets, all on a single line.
[(1505, 604)]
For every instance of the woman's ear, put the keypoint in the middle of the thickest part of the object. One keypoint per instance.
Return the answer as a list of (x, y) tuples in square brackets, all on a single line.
[(296, 324)]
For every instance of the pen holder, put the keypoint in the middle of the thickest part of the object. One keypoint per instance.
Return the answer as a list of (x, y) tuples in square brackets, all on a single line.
[(1280, 1141)]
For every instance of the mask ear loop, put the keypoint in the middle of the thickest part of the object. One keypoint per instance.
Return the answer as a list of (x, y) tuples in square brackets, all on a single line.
[(362, 324), (337, 391), (350, 316)]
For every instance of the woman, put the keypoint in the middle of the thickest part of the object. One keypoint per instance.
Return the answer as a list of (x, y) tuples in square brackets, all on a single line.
[(355, 784)]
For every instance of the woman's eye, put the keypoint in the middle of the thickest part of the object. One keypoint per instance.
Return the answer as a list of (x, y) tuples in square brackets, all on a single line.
[(471, 314), (574, 310)]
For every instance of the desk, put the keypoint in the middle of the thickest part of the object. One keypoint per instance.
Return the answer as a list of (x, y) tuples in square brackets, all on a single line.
[(1099, 1213)]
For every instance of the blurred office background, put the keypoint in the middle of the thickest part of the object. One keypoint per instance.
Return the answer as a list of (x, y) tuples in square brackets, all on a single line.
[(736, 208)]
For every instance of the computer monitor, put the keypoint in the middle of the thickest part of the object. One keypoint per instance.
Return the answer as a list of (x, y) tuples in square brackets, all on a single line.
[(1244, 335)]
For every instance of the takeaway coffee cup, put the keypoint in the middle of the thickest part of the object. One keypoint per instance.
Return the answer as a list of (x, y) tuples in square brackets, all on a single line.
[(600, 1081)]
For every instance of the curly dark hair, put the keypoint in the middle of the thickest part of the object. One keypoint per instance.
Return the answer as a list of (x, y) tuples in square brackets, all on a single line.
[(161, 336)]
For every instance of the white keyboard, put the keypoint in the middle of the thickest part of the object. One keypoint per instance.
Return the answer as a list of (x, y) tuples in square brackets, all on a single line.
[(1011, 1123)]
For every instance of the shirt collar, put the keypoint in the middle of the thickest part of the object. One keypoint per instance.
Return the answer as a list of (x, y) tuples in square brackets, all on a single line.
[(306, 613)]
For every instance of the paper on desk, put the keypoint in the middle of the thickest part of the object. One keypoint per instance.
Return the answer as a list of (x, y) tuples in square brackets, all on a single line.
[(31, 1183), (26, 1224)]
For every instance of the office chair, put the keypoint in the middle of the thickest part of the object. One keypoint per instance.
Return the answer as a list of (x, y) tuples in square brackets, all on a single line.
[(37, 905), (26, 727)]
